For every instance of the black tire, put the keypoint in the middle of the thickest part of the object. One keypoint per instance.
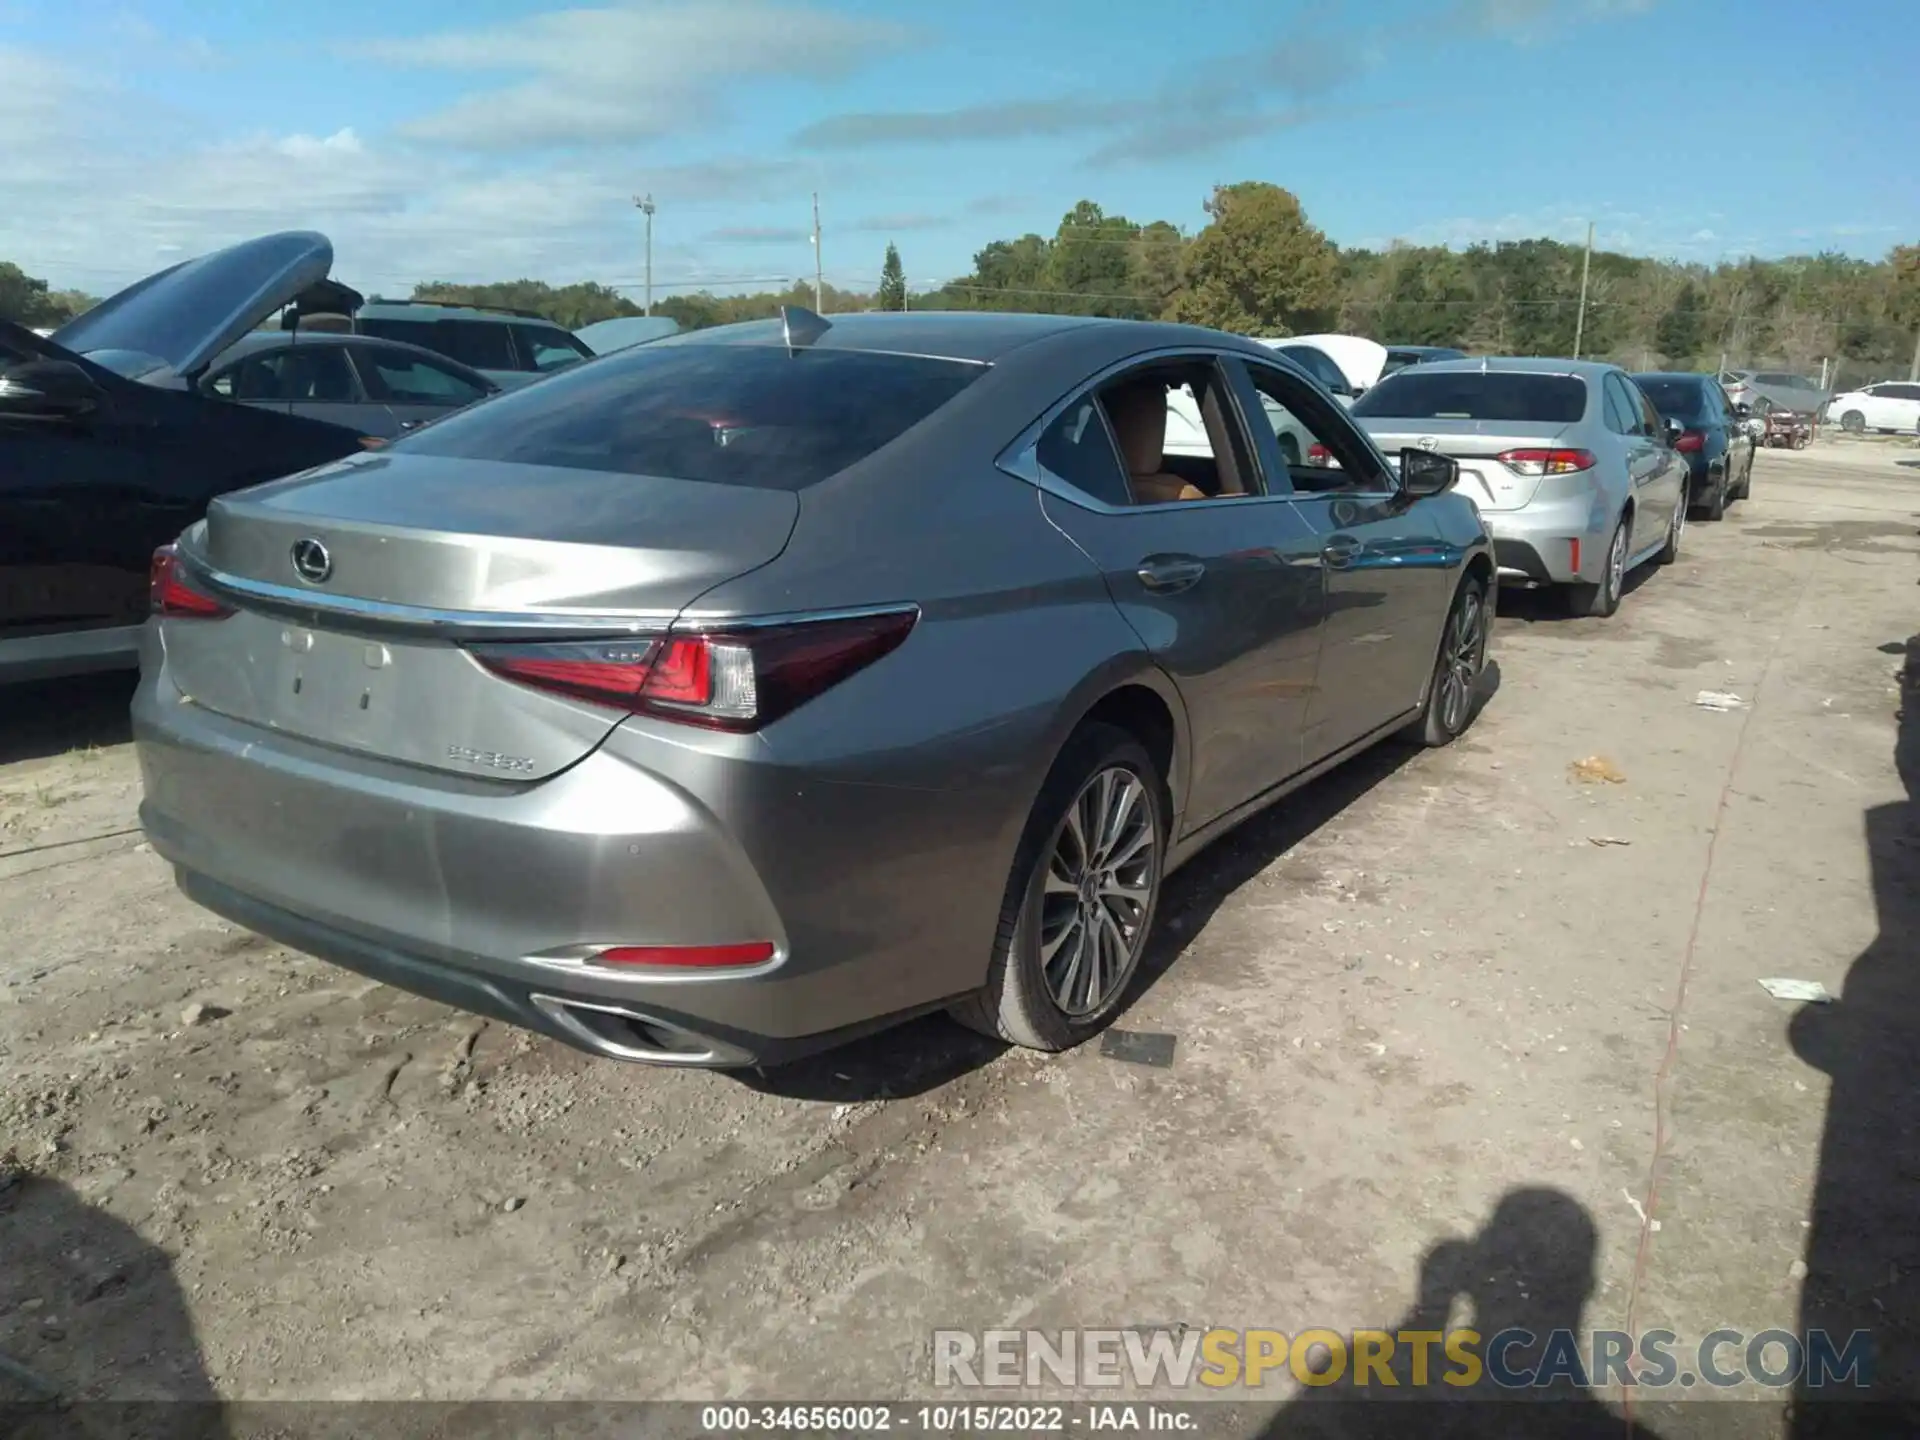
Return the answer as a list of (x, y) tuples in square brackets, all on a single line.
[(1597, 602), (1463, 643), (1854, 423), (1018, 1003), (1714, 507), (1670, 552), (1746, 479)]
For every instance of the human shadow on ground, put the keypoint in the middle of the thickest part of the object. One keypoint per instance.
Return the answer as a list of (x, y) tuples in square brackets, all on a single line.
[(1863, 1248), (1525, 1280), (95, 1335)]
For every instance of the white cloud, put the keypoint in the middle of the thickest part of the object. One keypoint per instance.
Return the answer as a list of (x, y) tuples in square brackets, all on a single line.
[(625, 72), (99, 194)]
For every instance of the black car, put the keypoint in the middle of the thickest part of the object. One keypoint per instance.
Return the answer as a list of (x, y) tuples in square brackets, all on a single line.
[(109, 448), (1714, 437)]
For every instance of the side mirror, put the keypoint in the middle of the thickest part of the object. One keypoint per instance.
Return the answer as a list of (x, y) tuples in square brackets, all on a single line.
[(48, 390), (1423, 473), (1673, 430), (1743, 410)]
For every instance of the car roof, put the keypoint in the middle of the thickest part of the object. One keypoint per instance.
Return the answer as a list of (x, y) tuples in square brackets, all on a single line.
[(258, 340), (1693, 375), (982, 336), (1524, 364), (430, 310)]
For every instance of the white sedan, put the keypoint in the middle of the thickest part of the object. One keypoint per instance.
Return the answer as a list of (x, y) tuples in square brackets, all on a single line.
[(1891, 405)]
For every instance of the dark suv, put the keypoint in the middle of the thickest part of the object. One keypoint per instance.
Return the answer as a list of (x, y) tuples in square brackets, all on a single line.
[(509, 347)]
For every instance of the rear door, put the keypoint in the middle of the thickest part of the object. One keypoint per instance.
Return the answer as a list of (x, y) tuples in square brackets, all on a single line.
[(1905, 408), (320, 383), (1665, 490), (1224, 592), (415, 388), (1644, 450)]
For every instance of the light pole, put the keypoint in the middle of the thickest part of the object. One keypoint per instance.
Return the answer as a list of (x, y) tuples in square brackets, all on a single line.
[(645, 206)]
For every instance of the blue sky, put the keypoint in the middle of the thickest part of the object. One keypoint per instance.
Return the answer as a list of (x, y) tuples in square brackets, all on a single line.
[(489, 139)]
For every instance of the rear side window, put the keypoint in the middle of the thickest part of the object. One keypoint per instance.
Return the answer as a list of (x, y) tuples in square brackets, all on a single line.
[(1077, 450), (1421, 393), (1682, 400), (481, 344), (413, 332), (727, 414), (549, 349)]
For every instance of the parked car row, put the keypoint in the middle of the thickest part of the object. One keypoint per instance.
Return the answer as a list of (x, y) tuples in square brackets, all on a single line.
[(746, 690)]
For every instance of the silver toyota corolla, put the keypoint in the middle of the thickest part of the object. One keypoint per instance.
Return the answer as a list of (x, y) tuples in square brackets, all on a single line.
[(722, 698), (1573, 468)]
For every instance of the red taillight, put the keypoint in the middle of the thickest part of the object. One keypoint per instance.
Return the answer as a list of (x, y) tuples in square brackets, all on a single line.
[(724, 679), (1547, 462), (1690, 442), (1318, 454), (170, 595), (698, 957)]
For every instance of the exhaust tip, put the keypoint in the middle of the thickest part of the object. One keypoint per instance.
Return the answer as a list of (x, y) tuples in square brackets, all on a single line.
[(621, 1032)]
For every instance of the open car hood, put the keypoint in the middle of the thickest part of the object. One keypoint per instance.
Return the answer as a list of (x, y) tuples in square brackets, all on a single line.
[(188, 313)]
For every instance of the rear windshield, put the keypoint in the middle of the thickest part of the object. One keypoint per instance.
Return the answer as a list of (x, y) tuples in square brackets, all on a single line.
[(1681, 400), (1420, 393), (731, 414)]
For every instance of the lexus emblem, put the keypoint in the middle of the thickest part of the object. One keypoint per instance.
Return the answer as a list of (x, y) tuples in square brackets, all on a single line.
[(1429, 442), (311, 562)]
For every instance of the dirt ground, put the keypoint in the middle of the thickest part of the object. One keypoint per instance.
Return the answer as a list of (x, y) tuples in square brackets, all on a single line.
[(1421, 1002)]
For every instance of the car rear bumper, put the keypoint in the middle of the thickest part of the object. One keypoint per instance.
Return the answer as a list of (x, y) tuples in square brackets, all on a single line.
[(491, 896), (1538, 544)]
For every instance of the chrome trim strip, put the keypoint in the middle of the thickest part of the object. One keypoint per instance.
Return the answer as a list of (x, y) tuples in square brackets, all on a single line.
[(305, 603)]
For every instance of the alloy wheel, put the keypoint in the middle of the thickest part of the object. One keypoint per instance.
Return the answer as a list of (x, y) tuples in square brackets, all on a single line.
[(1617, 562), (1466, 643), (1099, 891)]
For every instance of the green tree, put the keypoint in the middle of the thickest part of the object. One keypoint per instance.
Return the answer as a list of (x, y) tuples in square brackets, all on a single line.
[(1090, 267), (1155, 261), (892, 294), (573, 306), (24, 299), (1258, 267), (1682, 331)]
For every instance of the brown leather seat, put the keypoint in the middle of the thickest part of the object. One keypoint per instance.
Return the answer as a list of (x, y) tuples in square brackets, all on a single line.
[(1138, 412)]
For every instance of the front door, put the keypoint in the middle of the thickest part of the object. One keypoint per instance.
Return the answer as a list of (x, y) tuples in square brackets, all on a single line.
[(1223, 586), (1385, 563)]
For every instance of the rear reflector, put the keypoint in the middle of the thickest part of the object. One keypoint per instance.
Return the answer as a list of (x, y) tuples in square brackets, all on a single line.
[(1547, 462), (170, 595), (700, 957), (738, 678)]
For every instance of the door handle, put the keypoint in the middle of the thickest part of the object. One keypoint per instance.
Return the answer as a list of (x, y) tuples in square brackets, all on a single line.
[(1167, 574), (1341, 553)]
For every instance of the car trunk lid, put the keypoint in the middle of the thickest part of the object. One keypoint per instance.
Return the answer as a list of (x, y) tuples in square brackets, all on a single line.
[(1476, 445), (190, 312), (404, 560)]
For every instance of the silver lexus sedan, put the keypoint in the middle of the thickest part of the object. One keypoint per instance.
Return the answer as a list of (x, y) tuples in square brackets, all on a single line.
[(720, 699)]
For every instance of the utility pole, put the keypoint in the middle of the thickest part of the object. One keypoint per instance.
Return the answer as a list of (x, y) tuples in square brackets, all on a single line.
[(645, 205), (1580, 321), (1913, 370), (819, 306)]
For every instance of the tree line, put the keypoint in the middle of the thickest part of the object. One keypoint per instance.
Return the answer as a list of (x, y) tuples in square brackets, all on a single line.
[(1260, 267)]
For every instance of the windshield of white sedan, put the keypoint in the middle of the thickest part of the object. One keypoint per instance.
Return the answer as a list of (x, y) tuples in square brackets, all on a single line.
[(1420, 393), (730, 414)]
